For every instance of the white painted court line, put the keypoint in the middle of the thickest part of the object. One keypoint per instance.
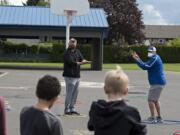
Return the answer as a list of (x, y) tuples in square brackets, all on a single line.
[(73, 116), (13, 88), (85, 84), (3, 74), (81, 132)]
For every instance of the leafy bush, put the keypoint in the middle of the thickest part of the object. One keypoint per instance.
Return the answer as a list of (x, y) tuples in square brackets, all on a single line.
[(57, 52), (115, 54), (111, 54), (174, 42), (34, 49), (45, 48), (169, 54), (85, 50), (9, 47)]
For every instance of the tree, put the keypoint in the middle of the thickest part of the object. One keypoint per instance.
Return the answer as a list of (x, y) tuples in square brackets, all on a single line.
[(36, 3), (4, 2), (31, 2), (43, 3), (124, 18)]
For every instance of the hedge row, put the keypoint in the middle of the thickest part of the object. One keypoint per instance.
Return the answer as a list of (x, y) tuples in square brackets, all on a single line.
[(116, 54), (112, 54)]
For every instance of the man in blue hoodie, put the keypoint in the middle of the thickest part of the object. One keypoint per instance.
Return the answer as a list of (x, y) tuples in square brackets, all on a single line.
[(157, 81)]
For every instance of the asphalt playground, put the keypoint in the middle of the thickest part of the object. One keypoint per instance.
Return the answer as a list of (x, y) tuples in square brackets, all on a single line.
[(18, 87)]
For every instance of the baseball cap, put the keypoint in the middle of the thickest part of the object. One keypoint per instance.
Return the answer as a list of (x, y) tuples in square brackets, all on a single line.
[(151, 49)]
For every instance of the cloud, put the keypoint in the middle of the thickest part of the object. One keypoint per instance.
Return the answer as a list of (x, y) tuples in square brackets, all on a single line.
[(152, 15)]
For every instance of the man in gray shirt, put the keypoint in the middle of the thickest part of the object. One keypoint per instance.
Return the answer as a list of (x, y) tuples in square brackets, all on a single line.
[(37, 119)]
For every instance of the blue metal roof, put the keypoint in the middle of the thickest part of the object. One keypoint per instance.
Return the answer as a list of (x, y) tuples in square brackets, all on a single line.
[(42, 16)]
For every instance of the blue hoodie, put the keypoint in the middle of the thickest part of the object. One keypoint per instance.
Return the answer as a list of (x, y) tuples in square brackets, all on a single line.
[(154, 67)]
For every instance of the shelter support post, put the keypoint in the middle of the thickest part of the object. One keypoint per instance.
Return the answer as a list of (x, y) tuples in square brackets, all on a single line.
[(97, 54)]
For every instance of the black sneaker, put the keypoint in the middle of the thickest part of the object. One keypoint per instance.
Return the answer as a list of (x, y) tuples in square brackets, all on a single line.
[(75, 113), (67, 113), (159, 119)]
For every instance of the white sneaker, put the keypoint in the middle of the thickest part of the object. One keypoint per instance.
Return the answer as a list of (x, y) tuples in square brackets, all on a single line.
[(152, 120), (159, 119)]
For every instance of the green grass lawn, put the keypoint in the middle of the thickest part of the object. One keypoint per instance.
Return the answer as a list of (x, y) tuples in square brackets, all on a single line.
[(167, 67), (22, 64)]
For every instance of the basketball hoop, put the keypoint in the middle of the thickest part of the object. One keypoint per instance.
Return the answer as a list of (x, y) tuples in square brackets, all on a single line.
[(69, 8), (70, 14)]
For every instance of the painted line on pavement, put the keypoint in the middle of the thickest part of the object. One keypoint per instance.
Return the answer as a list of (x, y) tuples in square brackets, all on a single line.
[(164, 122), (85, 84), (3, 74), (81, 132), (72, 116), (13, 88)]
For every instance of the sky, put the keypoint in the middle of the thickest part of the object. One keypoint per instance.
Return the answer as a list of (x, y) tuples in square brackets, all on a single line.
[(155, 12), (160, 11)]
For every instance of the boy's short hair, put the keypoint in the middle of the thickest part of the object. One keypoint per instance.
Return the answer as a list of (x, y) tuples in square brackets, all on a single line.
[(116, 81), (48, 87)]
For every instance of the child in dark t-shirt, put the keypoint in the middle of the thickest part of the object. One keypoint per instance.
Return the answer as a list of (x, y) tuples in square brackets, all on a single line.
[(37, 119)]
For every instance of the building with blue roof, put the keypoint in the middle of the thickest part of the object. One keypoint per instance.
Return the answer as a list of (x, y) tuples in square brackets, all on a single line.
[(39, 23)]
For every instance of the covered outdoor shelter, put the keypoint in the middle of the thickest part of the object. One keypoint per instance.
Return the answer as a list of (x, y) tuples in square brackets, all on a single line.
[(39, 23)]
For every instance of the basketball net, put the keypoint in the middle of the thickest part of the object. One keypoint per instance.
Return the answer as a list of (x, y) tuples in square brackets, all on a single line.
[(70, 14)]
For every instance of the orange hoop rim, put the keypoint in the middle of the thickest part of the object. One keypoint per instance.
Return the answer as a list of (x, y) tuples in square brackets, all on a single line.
[(70, 12)]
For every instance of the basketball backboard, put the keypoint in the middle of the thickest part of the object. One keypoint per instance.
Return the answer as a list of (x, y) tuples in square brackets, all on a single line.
[(80, 7)]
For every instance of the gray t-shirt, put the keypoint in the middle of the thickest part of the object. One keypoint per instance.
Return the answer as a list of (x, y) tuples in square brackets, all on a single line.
[(34, 121)]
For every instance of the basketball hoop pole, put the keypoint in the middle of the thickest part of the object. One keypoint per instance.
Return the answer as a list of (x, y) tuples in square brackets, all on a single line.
[(69, 17), (69, 20)]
